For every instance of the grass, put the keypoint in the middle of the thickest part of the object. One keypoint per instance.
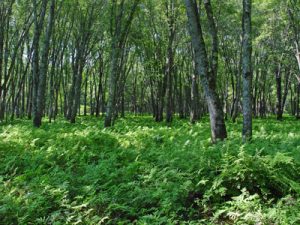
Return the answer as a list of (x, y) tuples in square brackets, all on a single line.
[(142, 172)]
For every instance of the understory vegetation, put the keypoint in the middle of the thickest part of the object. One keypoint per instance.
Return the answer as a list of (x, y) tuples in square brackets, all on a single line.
[(142, 172)]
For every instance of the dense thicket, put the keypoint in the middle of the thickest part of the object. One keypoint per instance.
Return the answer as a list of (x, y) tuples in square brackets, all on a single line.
[(112, 57)]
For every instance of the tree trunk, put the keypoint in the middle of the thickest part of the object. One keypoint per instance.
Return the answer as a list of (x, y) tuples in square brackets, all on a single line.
[(110, 108), (247, 71), (118, 42), (278, 92), (38, 71), (208, 79), (40, 101), (194, 115), (170, 62)]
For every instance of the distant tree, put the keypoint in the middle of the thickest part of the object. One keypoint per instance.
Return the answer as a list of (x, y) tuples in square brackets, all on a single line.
[(120, 26)]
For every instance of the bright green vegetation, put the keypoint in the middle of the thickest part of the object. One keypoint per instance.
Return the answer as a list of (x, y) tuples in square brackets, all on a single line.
[(142, 172)]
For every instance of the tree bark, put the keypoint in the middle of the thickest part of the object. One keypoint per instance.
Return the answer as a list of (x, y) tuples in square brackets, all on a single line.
[(118, 42), (170, 63), (207, 76), (247, 72), (40, 101), (36, 69), (278, 92)]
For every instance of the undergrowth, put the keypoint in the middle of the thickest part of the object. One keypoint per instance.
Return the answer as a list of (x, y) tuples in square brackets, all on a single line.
[(142, 172)]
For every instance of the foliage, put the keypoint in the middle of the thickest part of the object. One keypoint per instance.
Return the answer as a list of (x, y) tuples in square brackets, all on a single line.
[(143, 172)]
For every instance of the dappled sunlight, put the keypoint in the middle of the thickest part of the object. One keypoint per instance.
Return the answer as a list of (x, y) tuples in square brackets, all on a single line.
[(83, 172), (14, 134)]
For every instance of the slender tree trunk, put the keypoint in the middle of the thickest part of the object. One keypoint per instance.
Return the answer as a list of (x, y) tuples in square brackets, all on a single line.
[(85, 96), (40, 101), (286, 89), (100, 102), (238, 72), (110, 108), (194, 100), (77, 92), (297, 101), (180, 97), (279, 93), (118, 43), (247, 71), (208, 79), (36, 69), (255, 90), (170, 63)]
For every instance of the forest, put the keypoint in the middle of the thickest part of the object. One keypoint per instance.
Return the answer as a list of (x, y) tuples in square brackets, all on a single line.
[(150, 112)]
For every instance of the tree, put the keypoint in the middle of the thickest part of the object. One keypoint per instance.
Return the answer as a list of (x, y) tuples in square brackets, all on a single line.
[(39, 102), (38, 27), (247, 71), (81, 51), (208, 73), (119, 31)]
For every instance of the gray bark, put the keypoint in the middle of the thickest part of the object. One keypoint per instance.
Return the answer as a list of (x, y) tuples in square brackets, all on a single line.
[(119, 38), (247, 71), (38, 22), (207, 76), (40, 101), (170, 60)]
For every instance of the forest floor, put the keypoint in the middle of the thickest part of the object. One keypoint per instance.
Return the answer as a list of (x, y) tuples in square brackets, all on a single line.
[(142, 172)]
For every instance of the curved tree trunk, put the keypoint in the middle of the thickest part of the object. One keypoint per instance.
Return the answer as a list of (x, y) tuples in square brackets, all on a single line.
[(207, 75)]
